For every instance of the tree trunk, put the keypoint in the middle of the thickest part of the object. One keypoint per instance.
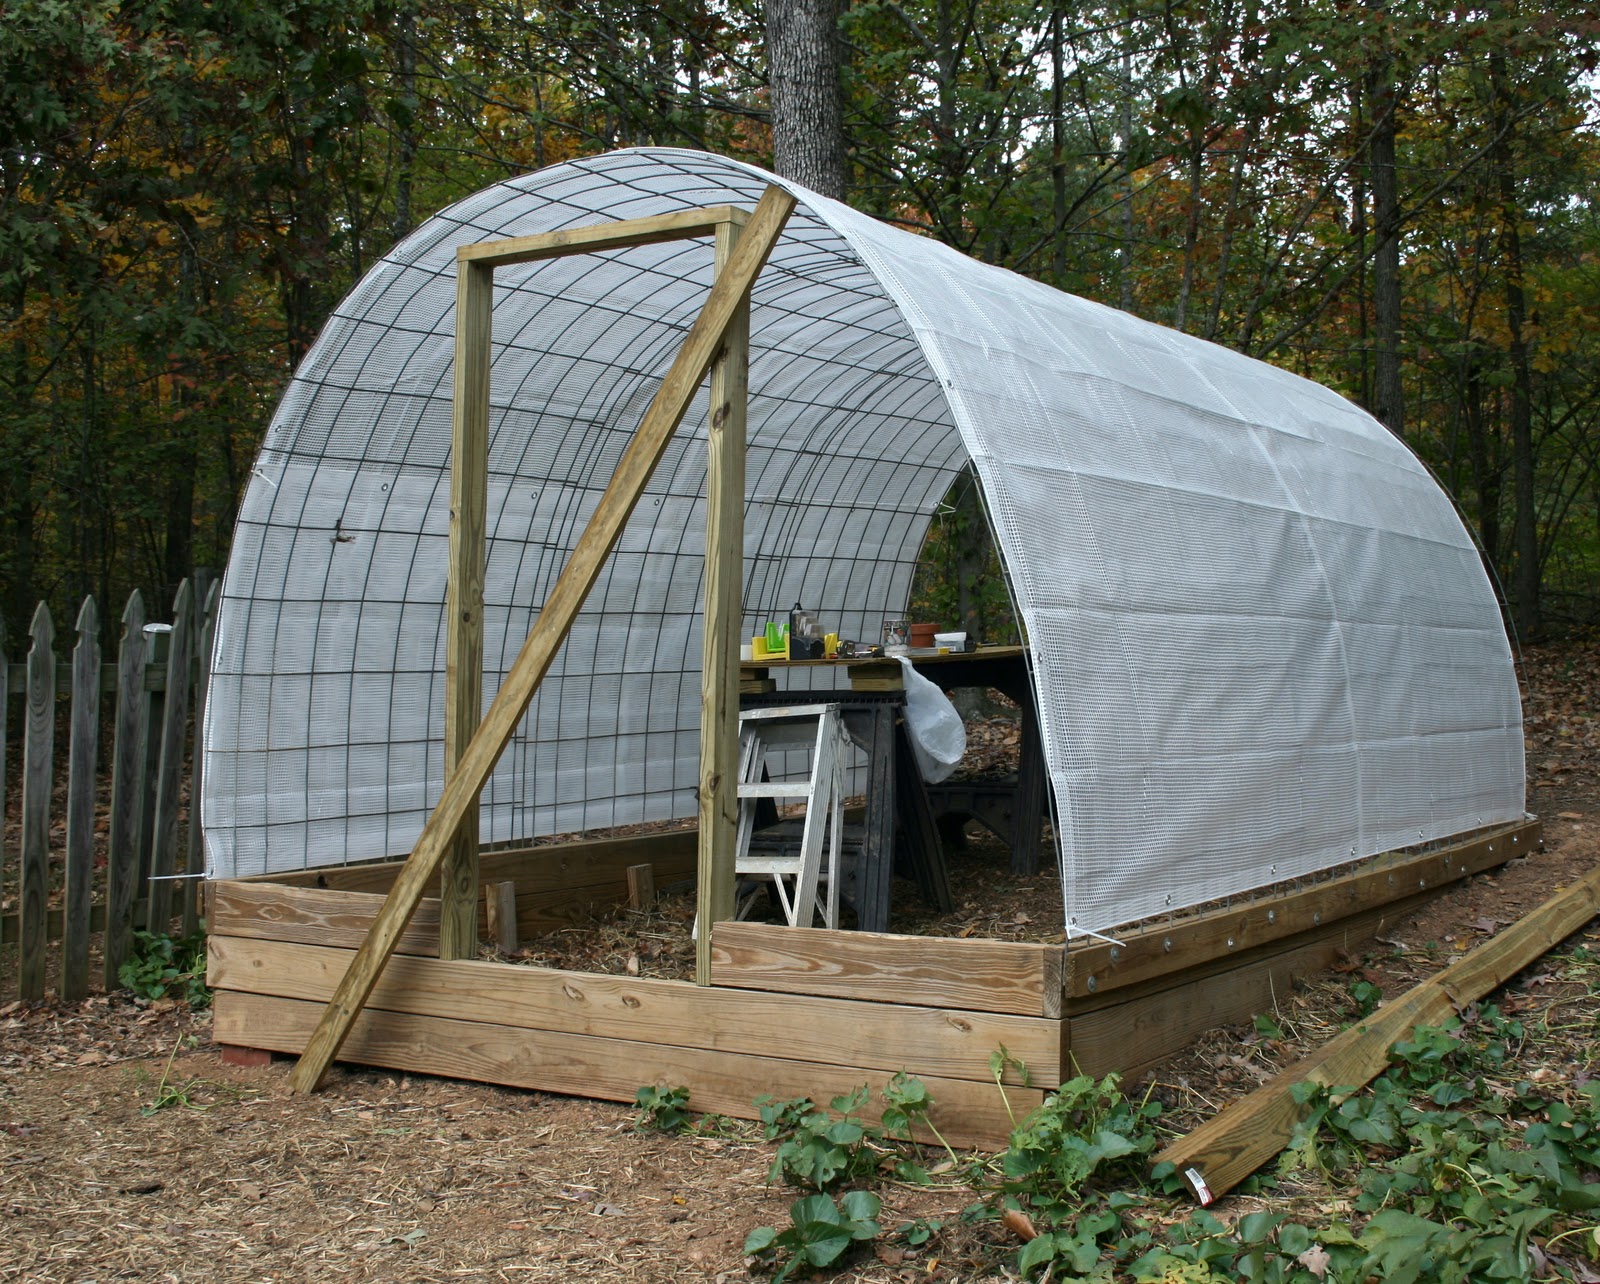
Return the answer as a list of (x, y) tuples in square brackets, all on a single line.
[(1525, 525), (1358, 234), (1125, 186), (1485, 468), (1388, 403), (803, 69), (405, 118), (1058, 162)]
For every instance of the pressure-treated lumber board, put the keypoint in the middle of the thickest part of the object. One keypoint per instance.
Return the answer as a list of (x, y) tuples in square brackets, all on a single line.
[(556, 886), (312, 916), (500, 900), (719, 667), (641, 887), (551, 867), (991, 976), (469, 524), (1226, 1149), (880, 1037), (677, 226), (567, 906), (1131, 1036), (1100, 967), (730, 292), (967, 1113)]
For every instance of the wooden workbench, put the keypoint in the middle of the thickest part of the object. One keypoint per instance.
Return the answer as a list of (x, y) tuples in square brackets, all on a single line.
[(871, 707)]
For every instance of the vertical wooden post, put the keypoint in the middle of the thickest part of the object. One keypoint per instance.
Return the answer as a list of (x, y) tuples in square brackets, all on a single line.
[(37, 751), (174, 722), (463, 692), (719, 669), (500, 907), (80, 803), (194, 863), (157, 646), (127, 791), (641, 887)]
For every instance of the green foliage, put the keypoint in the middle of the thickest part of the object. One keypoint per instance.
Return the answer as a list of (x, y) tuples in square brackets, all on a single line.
[(663, 1109), (168, 967), (1366, 996), (823, 1150), (1451, 1179), (959, 583), (1085, 1131), (819, 1233)]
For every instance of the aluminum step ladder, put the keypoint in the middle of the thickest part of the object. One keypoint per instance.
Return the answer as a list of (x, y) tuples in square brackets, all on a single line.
[(819, 728)]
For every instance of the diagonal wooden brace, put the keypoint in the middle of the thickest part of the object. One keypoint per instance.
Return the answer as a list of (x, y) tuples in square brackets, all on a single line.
[(729, 294)]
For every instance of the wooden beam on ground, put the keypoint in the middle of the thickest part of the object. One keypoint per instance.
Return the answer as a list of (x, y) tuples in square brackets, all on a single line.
[(729, 293), (724, 613), (1222, 1152), (469, 524)]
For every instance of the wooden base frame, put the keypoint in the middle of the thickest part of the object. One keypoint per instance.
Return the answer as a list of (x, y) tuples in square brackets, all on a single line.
[(790, 1011)]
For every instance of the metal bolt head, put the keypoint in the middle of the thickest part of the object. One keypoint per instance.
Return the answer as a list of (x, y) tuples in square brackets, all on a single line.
[(1091, 985)]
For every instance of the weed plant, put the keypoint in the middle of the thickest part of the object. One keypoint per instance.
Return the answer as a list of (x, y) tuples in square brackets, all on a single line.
[(161, 967)]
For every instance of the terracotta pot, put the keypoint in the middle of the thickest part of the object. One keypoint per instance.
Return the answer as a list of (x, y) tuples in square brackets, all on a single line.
[(922, 634)]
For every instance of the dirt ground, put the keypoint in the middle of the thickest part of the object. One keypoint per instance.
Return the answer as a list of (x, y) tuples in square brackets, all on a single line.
[(128, 1150)]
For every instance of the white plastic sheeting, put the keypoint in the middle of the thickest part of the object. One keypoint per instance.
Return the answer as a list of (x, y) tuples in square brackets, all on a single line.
[(1263, 643)]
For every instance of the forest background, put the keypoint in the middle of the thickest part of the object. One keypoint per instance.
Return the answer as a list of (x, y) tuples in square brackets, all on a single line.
[(1393, 197)]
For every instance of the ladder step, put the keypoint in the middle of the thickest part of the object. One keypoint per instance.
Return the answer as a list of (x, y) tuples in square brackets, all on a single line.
[(780, 712), (776, 789), (769, 864)]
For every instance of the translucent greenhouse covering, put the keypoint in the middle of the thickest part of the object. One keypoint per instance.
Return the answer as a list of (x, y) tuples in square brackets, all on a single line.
[(1261, 640)]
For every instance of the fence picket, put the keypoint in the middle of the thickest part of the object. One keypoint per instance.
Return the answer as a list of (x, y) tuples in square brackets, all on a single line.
[(82, 754), (210, 595), (174, 721), (37, 746), (127, 790)]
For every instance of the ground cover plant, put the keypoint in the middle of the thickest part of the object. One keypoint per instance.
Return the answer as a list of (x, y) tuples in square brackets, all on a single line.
[(1448, 1167)]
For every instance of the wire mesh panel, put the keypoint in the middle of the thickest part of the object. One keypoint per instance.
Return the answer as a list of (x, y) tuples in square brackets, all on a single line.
[(1262, 641)]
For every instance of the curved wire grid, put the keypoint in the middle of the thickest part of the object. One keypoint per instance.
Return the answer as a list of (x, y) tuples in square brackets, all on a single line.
[(1262, 641)]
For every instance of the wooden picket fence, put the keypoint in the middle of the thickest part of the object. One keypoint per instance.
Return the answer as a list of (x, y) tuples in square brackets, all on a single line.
[(136, 802)]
